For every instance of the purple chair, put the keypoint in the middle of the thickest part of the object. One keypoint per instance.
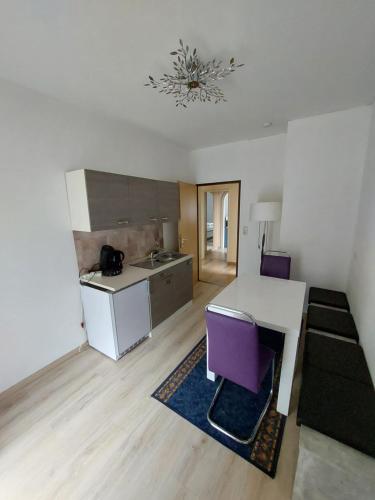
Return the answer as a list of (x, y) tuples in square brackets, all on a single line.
[(235, 353), (275, 264)]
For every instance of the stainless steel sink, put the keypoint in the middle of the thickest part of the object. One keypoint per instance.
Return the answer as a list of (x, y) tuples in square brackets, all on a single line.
[(148, 264), (159, 260), (169, 256)]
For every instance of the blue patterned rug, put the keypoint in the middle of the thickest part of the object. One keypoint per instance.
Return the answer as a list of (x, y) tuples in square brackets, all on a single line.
[(188, 392)]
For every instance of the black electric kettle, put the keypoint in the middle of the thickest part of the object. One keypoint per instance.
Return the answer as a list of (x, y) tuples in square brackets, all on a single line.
[(111, 261)]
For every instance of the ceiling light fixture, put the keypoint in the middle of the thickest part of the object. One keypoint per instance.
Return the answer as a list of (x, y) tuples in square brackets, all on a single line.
[(193, 79), (267, 124)]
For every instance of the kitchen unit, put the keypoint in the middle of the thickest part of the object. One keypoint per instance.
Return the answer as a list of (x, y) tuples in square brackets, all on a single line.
[(120, 311), (102, 200)]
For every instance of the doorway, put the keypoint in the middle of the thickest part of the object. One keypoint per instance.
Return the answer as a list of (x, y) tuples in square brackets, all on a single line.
[(218, 224)]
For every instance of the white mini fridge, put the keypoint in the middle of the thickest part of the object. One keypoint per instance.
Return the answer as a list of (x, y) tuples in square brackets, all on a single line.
[(116, 322)]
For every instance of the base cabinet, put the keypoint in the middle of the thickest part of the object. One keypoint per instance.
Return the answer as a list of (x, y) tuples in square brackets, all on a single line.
[(116, 321), (170, 290)]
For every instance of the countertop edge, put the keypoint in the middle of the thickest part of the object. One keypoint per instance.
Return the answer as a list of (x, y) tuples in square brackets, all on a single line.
[(108, 283)]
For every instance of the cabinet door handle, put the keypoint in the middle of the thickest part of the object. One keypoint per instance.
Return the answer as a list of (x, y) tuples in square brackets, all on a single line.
[(164, 218), (122, 221), (154, 219)]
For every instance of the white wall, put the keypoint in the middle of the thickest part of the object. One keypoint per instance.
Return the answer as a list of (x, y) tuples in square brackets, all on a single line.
[(325, 158), (259, 164), (361, 288), (40, 139)]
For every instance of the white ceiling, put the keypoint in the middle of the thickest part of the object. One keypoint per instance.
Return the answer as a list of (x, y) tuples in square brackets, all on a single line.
[(302, 57)]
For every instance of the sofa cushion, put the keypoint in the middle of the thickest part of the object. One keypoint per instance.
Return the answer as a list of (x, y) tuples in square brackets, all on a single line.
[(329, 320), (337, 357), (330, 298), (342, 409)]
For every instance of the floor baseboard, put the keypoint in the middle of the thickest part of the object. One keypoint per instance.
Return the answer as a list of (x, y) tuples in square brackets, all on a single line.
[(34, 376)]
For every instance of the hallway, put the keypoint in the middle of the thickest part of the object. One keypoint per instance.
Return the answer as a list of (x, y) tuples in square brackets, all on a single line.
[(218, 219), (215, 268)]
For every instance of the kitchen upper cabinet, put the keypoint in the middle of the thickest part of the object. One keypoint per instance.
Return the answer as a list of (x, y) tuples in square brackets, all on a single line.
[(102, 200), (98, 200), (143, 200), (153, 201), (168, 201), (108, 200)]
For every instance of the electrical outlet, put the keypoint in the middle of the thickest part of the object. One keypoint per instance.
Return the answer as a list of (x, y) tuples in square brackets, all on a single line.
[(245, 230)]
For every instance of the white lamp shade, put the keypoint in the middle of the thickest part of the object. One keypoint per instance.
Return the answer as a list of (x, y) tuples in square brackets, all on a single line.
[(266, 211)]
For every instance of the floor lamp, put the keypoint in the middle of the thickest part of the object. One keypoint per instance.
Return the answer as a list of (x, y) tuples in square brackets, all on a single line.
[(265, 212)]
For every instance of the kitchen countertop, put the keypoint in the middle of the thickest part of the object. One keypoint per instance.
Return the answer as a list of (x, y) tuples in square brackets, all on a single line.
[(129, 276)]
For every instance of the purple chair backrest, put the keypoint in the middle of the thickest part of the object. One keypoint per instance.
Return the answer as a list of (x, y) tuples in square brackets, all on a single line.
[(276, 266), (233, 349)]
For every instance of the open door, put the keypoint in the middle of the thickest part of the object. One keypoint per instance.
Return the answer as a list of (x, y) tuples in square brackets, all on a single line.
[(218, 223), (188, 230)]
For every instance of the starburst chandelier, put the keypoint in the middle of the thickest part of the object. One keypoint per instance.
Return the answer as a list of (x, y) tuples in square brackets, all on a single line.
[(193, 79)]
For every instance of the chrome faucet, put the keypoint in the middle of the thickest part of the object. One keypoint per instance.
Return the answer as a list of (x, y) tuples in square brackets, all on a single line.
[(153, 254)]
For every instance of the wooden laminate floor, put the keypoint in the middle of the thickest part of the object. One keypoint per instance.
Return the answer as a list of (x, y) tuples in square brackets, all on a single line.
[(86, 428), (215, 268)]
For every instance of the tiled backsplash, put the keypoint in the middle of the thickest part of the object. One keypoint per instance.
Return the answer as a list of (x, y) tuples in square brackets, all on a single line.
[(135, 242)]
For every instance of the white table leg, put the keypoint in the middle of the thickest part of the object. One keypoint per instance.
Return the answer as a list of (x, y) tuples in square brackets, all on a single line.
[(210, 375), (287, 371)]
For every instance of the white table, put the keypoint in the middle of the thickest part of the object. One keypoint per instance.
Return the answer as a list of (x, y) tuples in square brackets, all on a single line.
[(276, 304)]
